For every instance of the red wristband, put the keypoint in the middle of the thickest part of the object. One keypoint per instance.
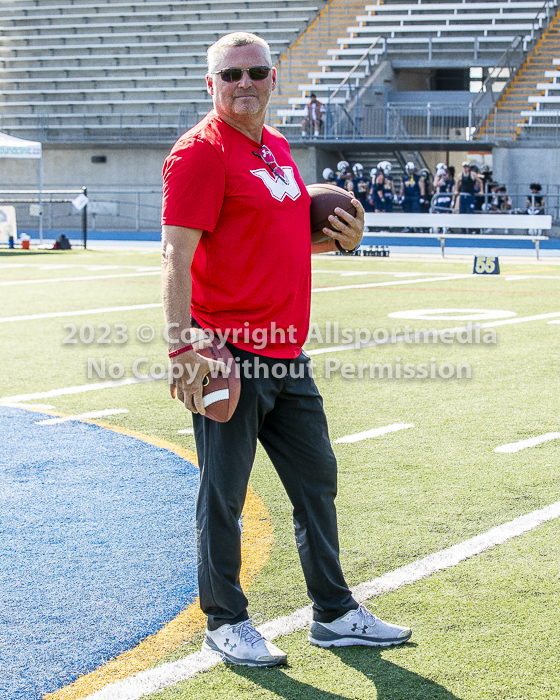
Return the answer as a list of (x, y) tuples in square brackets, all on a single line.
[(182, 350)]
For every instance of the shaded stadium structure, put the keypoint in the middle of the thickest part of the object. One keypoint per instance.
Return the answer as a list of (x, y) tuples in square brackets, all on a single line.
[(107, 87)]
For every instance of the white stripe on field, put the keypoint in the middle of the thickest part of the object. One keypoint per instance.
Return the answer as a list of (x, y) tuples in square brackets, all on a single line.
[(42, 266), (95, 386), (531, 442), (380, 272), (40, 406), (81, 312), (186, 431), (82, 416), (13, 283), (552, 323), (511, 278), (388, 284), (434, 333), (375, 432), (170, 674)]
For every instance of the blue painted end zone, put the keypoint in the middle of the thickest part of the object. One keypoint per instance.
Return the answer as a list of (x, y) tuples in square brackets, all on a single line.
[(475, 242), (98, 548)]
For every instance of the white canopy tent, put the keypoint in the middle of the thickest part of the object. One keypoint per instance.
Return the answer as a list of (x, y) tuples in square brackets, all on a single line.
[(12, 147)]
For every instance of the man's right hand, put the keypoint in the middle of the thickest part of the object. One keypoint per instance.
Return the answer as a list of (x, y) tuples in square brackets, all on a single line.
[(186, 376)]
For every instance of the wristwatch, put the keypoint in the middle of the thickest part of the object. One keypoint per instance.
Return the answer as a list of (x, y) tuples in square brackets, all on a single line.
[(343, 250)]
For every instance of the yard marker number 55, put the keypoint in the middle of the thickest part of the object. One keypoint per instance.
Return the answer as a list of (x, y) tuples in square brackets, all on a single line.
[(486, 265)]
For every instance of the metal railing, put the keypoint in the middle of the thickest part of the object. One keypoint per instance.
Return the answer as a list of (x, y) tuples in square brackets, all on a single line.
[(541, 127), (522, 201), (368, 115), (503, 73), (107, 209), (114, 209), (125, 127)]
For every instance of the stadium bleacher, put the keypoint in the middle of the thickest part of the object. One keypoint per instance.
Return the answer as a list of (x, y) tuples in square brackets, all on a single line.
[(429, 33), (520, 111), (91, 71), (79, 66)]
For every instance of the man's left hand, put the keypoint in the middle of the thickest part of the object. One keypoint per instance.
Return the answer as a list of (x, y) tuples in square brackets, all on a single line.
[(347, 229)]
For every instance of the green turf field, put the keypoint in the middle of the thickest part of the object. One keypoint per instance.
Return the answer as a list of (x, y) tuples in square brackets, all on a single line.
[(486, 628)]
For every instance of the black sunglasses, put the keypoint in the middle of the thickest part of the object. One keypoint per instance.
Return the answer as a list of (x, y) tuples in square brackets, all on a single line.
[(234, 75)]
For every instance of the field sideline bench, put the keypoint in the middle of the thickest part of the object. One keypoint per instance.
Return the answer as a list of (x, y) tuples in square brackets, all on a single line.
[(528, 222)]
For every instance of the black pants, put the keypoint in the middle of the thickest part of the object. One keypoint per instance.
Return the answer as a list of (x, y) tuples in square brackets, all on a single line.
[(286, 414)]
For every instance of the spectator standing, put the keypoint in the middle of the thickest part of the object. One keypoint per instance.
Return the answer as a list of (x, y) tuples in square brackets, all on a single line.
[(314, 117), (465, 189)]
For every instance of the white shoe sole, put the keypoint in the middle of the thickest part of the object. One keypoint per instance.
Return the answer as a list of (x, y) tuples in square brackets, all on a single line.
[(228, 658), (353, 642)]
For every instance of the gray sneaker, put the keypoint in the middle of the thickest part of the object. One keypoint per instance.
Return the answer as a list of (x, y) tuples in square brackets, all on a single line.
[(242, 644), (357, 627)]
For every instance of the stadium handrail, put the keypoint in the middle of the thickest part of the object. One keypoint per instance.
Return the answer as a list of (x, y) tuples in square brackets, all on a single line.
[(507, 62)]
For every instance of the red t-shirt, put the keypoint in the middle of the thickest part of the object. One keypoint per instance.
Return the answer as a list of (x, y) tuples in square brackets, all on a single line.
[(251, 273)]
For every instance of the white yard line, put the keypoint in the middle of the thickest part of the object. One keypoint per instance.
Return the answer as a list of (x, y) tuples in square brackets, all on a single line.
[(170, 674), (553, 323), (524, 444), (94, 386), (39, 406), (42, 266), (387, 284), (375, 432), (80, 312), (15, 283), (346, 273), (434, 333), (512, 278), (186, 431), (82, 416)]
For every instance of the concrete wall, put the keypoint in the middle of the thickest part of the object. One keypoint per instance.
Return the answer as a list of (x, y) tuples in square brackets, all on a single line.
[(311, 162), (125, 167), (525, 165), (72, 167)]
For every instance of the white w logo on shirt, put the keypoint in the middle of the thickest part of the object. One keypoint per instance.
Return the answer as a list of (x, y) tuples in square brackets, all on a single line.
[(278, 189)]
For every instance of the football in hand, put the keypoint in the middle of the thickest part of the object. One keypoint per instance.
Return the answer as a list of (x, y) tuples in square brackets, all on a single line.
[(220, 394), (324, 200)]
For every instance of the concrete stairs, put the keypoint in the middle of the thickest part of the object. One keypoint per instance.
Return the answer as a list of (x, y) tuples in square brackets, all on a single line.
[(504, 122), (303, 55)]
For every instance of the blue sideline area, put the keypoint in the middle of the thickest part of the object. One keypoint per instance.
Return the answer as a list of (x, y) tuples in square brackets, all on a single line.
[(98, 548), (398, 245), (75, 235)]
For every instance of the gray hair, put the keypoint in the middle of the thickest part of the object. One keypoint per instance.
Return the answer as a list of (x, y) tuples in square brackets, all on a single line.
[(217, 50)]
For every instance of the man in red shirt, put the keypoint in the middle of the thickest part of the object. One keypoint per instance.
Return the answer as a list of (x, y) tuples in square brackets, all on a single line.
[(236, 260)]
